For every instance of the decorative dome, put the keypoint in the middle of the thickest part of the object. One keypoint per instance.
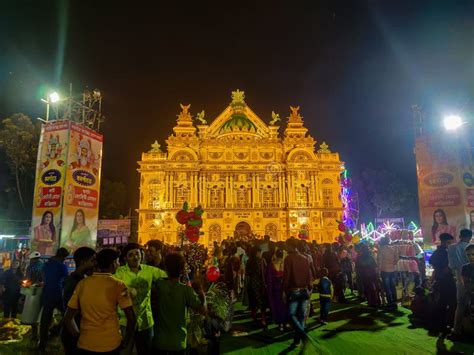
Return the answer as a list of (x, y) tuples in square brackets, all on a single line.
[(238, 122)]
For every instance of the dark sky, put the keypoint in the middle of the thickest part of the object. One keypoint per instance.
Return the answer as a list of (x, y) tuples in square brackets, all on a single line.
[(354, 67)]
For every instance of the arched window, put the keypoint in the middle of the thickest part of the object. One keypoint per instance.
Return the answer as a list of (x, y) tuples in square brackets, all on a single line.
[(328, 198), (302, 196)]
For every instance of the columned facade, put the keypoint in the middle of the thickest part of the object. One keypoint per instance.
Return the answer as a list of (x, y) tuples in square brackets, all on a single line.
[(247, 178)]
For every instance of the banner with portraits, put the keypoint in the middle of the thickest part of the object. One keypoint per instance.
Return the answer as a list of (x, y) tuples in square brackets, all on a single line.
[(50, 176), (445, 171), (67, 185), (81, 188)]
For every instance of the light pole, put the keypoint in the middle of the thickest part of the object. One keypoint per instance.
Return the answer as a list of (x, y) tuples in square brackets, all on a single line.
[(51, 98), (452, 122)]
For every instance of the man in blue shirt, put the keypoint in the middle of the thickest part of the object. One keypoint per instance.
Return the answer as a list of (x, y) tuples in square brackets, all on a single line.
[(54, 273)]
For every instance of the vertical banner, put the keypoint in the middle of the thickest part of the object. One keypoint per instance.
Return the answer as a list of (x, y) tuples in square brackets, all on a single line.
[(82, 186), (49, 182), (444, 169)]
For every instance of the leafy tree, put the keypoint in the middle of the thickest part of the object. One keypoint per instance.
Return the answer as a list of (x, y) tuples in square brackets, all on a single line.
[(383, 194), (113, 199), (19, 138)]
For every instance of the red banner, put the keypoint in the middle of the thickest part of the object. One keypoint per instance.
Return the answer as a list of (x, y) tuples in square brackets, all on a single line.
[(445, 197), (82, 197), (49, 197)]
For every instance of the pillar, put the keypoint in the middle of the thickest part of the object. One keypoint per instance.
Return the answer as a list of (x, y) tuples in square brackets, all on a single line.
[(253, 190)]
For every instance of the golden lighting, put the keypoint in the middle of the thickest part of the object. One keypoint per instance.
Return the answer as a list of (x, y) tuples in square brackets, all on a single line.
[(248, 178)]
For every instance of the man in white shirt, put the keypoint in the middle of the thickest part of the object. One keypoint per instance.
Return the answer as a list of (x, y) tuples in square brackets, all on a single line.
[(457, 258)]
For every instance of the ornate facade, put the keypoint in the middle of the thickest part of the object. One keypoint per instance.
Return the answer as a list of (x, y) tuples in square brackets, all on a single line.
[(247, 178)]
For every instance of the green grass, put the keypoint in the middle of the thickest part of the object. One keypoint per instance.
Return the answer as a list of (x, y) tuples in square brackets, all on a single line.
[(353, 329)]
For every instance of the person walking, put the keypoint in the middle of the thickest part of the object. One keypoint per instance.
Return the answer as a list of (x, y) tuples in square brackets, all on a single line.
[(32, 305), (274, 282), (457, 258), (325, 296), (366, 268), (11, 281), (54, 272), (331, 262), (175, 299), (84, 258), (97, 297), (387, 259), (138, 278), (297, 283), (444, 286), (254, 275)]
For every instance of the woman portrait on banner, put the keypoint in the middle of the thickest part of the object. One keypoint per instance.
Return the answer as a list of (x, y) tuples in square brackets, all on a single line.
[(45, 234), (471, 221), (80, 235), (440, 226)]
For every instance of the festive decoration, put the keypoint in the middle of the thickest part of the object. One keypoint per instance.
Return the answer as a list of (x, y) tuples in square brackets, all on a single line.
[(350, 202), (355, 240), (192, 220), (213, 274), (182, 217), (348, 237), (388, 229), (303, 234), (341, 227)]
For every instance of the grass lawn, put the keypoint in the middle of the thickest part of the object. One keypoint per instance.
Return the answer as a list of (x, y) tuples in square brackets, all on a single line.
[(353, 329)]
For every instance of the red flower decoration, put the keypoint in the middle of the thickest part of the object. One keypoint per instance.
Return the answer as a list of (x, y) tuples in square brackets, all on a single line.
[(182, 217), (213, 274)]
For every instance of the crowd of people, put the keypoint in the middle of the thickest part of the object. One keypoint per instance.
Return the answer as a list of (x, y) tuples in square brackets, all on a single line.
[(142, 297)]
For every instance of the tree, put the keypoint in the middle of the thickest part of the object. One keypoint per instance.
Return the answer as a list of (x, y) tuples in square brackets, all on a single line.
[(383, 194), (113, 199), (19, 138)]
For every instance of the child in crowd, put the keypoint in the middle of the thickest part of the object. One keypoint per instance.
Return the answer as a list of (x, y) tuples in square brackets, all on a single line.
[(419, 304), (325, 295)]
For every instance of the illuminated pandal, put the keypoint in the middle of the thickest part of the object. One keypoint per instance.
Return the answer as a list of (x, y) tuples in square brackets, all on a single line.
[(370, 233)]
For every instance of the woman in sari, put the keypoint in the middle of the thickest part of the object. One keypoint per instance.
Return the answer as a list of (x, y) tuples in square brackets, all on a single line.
[(254, 275), (45, 234), (274, 278), (80, 235)]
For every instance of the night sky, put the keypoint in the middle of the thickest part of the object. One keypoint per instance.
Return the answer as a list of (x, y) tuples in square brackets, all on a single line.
[(355, 68)]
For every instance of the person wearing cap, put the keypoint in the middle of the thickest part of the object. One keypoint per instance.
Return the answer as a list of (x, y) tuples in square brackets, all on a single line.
[(34, 271), (444, 285), (457, 259), (34, 275)]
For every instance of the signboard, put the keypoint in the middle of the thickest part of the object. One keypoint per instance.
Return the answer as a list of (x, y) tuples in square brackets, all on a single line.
[(444, 169), (82, 186), (50, 176), (113, 231)]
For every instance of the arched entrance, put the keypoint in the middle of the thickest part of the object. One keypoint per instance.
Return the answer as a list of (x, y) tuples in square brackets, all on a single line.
[(242, 229)]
